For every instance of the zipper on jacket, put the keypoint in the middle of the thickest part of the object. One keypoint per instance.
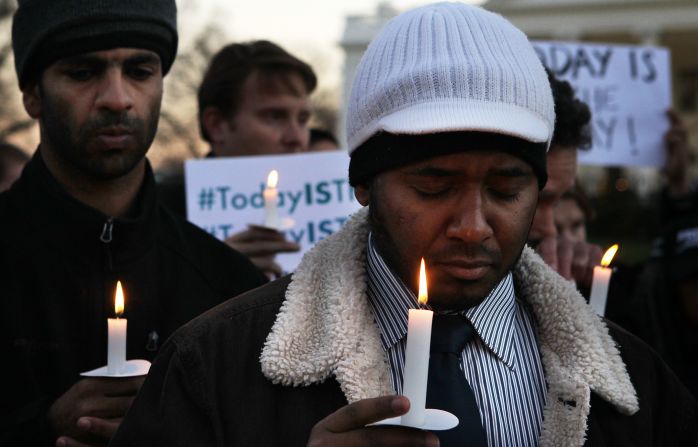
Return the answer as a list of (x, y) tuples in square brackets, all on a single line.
[(106, 238)]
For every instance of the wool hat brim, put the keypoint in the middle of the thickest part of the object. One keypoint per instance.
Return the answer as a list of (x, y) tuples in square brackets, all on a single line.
[(385, 151), (452, 115)]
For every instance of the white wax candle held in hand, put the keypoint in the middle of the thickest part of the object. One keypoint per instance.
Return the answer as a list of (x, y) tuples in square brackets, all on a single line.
[(599, 285), (417, 356), (271, 195), (116, 343)]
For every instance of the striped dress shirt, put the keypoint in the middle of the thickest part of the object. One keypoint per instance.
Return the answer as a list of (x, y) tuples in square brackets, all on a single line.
[(502, 364)]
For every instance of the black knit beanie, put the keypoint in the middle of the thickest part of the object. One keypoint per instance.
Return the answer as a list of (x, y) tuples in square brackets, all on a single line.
[(385, 151), (45, 31)]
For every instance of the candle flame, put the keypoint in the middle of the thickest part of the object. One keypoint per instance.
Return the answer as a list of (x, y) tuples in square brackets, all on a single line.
[(119, 300), (608, 256), (272, 179), (422, 299)]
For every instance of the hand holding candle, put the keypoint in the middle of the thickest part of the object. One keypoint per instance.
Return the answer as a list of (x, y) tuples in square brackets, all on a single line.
[(271, 194), (417, 356), (602, 278), (116, 344)]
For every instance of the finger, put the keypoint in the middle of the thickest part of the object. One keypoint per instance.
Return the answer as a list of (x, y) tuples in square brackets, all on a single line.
[(102, 428), (547, 249), (363, 412), (565, 254), (123, 386), (257, 233), (674, 117), (112, 407), (268, 266), (580, 261), (594, 255), (102, 386), (66, 441), (263, 248)]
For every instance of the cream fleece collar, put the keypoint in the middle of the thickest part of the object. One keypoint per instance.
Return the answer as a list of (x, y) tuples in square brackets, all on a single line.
[(325, 328)]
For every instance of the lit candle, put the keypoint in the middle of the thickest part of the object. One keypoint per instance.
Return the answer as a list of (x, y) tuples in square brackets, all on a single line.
[(271, 194), (599, 285), (116, 344), (417, 356)]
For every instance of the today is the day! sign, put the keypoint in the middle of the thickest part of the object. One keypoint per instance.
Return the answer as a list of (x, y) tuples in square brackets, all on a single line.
[(225, 195), (628, 89)]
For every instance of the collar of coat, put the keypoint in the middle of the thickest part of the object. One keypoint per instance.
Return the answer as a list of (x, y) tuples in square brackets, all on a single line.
[(325, 328)]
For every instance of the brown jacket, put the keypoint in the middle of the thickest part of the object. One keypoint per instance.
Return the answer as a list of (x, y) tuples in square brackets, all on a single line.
[(262, 369)]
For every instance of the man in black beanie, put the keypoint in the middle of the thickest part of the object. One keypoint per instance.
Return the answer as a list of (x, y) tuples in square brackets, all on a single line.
[(85, 214)]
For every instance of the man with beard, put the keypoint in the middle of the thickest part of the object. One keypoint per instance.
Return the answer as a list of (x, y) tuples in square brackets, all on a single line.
[(449, 119), (84, 215)]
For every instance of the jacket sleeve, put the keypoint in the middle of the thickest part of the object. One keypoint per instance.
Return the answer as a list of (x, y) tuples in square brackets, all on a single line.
[(668, 412), (172, 396)]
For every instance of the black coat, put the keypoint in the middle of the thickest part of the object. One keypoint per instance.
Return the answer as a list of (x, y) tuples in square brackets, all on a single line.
[(207, 389), (59, 263)]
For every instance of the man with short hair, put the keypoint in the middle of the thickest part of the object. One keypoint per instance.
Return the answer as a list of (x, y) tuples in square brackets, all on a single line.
[(449, 119), (254, 99), (85, 214)]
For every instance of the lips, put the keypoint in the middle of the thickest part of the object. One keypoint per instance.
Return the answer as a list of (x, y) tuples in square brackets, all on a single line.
[(468, 270), (114, 137)]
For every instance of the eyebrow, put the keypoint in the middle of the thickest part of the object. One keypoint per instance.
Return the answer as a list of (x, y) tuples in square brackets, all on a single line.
[(513, 171), (143, 58), (432, 171), (91, 59)]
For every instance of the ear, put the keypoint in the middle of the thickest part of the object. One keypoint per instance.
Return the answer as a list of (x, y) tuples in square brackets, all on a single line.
[(362, 194), (32, 100), (215, 124)]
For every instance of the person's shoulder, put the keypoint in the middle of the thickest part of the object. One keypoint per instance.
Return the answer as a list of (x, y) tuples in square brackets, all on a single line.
[(668, 411), (633, 349), (248, 315), (12, 217), (219, 263), (654, 381)]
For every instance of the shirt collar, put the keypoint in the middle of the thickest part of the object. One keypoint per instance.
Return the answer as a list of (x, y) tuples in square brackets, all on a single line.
[(390, 299)]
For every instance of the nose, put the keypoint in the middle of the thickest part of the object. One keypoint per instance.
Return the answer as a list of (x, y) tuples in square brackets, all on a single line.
[(469, 222), (114, 94), (296, 137)]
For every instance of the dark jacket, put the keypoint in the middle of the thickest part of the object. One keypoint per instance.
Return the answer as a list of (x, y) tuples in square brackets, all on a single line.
[(59, 263), (262, 369)]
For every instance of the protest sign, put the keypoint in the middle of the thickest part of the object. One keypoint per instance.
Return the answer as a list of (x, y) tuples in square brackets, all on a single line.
[(627, 88), (225, 195)]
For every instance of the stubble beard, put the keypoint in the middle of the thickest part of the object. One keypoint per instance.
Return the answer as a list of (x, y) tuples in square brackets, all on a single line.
[(389, 250), (75, 145)]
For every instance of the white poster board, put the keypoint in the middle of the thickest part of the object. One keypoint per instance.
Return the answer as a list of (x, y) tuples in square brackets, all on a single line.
[(224, 196), (628, 89)]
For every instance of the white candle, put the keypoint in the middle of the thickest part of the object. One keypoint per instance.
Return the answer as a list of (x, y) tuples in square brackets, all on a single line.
[(116, 344), (600, 282), (414, 384), (271, 194)]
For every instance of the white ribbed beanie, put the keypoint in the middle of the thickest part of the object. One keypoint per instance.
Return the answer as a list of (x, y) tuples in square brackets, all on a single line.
[(450, 67)]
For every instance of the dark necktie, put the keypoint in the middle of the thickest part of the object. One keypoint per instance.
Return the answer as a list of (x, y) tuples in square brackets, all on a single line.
[(447, 388)]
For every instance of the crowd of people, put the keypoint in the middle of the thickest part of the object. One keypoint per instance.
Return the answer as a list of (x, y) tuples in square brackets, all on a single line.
[(463, 152)]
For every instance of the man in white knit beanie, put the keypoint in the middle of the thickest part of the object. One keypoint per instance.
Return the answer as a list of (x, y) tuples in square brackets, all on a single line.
[(449, 120)]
